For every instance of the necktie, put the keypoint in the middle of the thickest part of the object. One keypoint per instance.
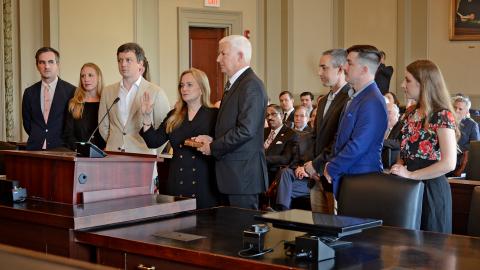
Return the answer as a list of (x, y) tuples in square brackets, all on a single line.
[(47, 102), (285, 117), (225, 89), (269, 140)]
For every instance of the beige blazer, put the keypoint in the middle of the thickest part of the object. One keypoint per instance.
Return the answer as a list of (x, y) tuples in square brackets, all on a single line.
[(114, 133)]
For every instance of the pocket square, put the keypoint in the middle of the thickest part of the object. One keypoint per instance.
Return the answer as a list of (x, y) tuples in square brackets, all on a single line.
[(279, 142)]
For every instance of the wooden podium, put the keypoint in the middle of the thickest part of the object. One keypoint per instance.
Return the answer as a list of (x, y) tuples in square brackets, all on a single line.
[(63, 177)]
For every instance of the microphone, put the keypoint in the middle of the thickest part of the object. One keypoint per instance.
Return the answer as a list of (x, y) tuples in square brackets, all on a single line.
[(88, 149), (103, 118)]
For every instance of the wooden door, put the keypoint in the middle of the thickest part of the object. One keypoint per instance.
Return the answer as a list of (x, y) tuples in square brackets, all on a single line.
[(203, 55)]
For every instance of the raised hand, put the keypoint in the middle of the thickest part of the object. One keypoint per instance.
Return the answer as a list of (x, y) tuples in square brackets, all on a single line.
[(147, 105)]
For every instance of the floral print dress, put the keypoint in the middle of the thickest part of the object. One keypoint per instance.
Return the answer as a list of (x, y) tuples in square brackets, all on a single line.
[(420, 148)]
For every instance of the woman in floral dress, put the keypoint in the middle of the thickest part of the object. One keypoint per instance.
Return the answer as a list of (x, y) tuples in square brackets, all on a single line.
[(428, 146)]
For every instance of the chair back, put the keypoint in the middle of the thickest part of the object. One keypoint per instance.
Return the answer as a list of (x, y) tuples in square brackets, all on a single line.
[(474, 214), (472, 171), (395, 200)]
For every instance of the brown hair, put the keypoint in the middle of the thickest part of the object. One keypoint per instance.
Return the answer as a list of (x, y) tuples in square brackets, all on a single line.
[(434, 95), (75, 106), (180, 112)]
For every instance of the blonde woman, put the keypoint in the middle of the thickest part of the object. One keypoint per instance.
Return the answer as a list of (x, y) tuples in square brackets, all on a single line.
[(428, 145), (191, 174), (82, 117)]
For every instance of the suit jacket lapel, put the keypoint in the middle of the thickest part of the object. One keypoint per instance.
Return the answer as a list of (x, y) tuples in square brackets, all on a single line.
[(55, 100), (232, 89), (114, 110)]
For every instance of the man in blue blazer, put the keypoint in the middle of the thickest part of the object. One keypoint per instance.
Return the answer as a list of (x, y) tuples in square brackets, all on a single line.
[(45, 103), (362, 126), (240, 165)]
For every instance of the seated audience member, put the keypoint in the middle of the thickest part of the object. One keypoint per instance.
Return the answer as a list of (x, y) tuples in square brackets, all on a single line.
[(190, 173), (306, 98), (392, 98), (391, 143), (313, 117), (82, 117), (468, 130), (383, 74), (300, 119), (286, 103), (294, 181), (428, 147), (277, 136)]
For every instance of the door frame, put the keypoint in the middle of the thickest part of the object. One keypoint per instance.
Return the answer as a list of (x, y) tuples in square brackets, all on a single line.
[(230, 20)]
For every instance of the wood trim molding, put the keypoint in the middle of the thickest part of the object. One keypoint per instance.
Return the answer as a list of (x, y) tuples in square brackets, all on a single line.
[(232, 20)]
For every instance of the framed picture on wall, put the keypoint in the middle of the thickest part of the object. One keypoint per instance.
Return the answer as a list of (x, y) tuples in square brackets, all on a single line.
[(465, 20)]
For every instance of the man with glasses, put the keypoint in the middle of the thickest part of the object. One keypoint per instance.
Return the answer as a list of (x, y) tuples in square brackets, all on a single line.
[(44, 104), (468, 129), (278, 141)]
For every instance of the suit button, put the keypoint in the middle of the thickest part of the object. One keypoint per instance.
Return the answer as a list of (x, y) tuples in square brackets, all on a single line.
[(181, 182), (193, 195), (119, 149), (180, 146), (46, 130), (194, 182), (124, 133), (193, 169), (181, 169), (193, 157), (181, 156)]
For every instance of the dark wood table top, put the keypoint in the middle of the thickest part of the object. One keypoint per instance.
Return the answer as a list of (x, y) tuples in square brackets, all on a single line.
[(377, 248), (67, 215)]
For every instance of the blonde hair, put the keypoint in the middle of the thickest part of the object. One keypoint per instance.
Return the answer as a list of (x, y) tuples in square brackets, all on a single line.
[(76, 104), (180, 112), (434, 95)]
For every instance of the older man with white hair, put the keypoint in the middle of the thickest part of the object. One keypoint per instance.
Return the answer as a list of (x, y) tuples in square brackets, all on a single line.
[(240, 165)]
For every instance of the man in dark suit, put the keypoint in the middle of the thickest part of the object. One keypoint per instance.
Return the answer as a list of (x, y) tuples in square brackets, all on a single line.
[(286, 102), (362, 126), (238, 149), (383, 75), (44, 104), (392, 137), (278, 141), (293, 181), (332, 75), (300, 119)]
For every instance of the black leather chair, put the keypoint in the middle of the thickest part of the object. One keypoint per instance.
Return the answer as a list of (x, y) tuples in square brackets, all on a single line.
[(474, 215), (472, 171), (395, 200)]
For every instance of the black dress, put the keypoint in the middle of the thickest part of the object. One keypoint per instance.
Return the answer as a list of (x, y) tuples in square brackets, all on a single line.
[(79, 130), (420, 148), (191, 174)]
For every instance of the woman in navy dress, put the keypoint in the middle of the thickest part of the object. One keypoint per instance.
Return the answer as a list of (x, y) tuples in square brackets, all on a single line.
[(191, 174), (82, 117), (428, 146)]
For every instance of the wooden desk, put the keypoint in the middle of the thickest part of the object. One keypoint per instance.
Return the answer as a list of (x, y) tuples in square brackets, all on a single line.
[(461, 198), (48, 226), (378, 248), (64, 177)]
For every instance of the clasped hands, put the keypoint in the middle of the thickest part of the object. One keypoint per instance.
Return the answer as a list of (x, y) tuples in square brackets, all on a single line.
[(205, 140)]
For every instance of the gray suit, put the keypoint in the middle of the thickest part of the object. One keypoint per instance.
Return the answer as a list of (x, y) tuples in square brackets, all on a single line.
[(238, 144), (115, 133)]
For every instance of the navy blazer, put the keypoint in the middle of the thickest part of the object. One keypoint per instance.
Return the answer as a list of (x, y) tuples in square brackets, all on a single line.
[(32, 115), (238, 144), (469, 132), (359, 140)]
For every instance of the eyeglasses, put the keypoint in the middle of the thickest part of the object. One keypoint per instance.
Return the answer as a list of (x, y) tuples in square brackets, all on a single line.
[(270, 114)]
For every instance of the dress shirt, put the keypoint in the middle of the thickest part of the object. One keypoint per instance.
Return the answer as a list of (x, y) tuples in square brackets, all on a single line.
[(127, 97), (236, 75), (276, 132), (331, 97)]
